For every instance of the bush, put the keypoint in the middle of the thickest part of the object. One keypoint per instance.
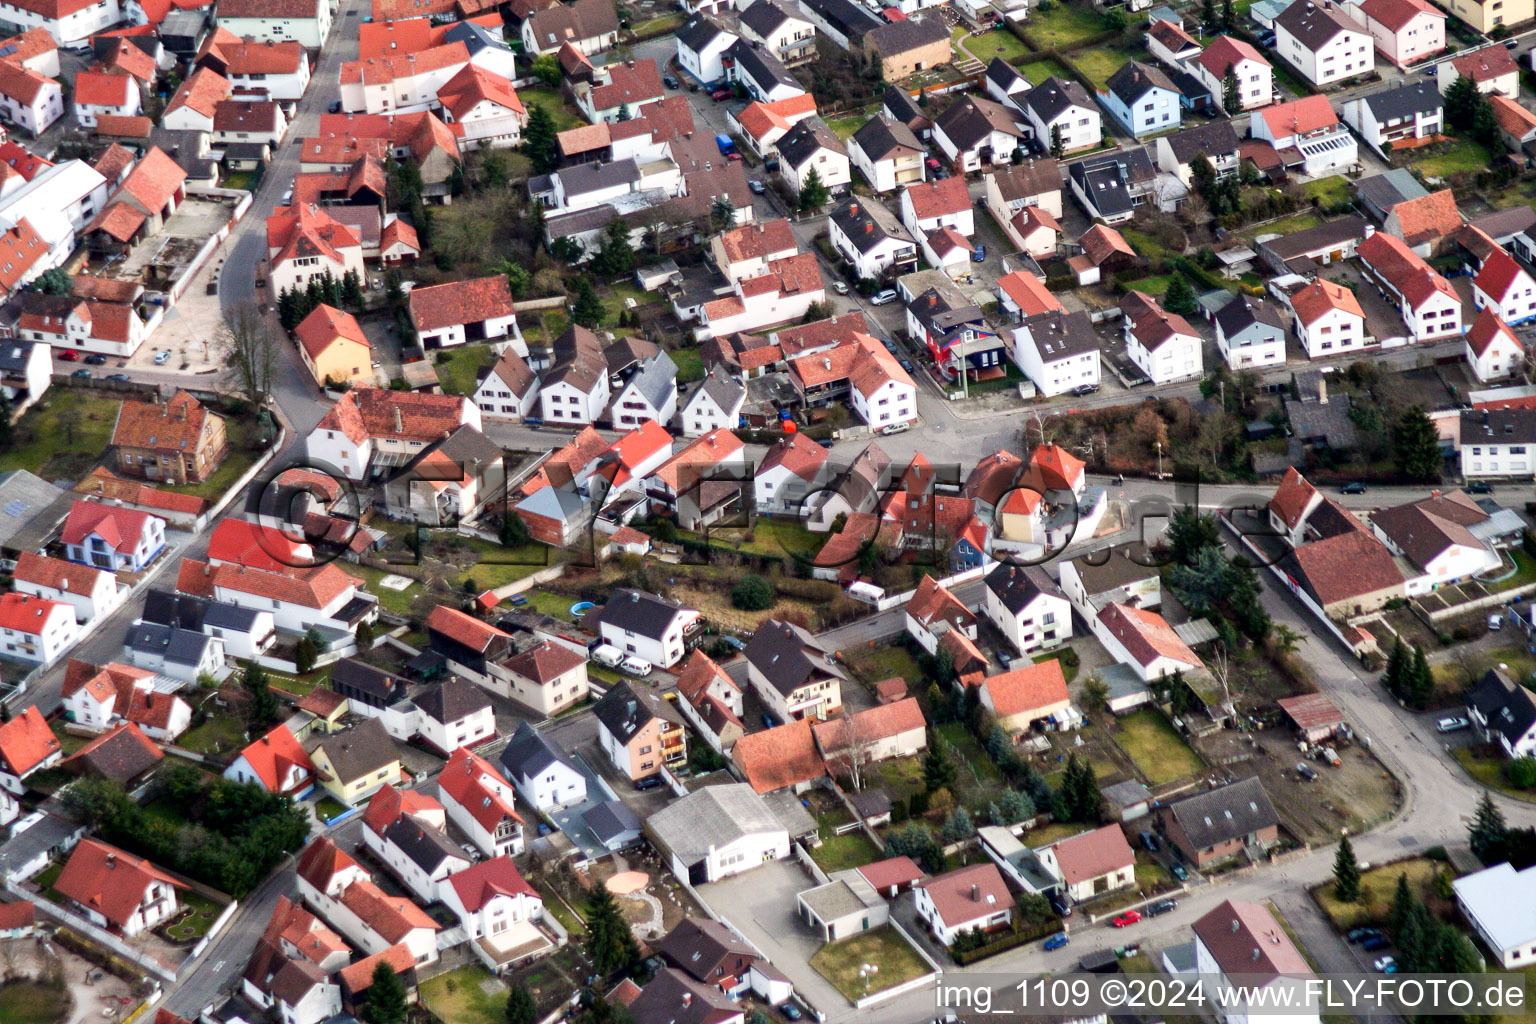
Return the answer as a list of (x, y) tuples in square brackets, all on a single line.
[(1521, 772), (753, 594)]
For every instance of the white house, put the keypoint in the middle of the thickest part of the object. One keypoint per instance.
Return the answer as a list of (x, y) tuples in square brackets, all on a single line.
[(303, 21), (871, 239), (788, 473), (1505, 287), (1027, 607), (453, 713), (28, 99), (650, 394), (1241, 939), (277, 763), (1329, 319), (1491, 348), (34, 629), (649, 627), (716, 832), (700, 46), (112, 537), (811, 144), (1405, 31), (405, 830), (1490, 70), (1143, 641), (1434, 535), (1504, 712), (174, 653), (1063, 116), (323, 597), (1162, 344), (478, 309), (1426, 301), (1497, 442), (1500, 903), (374, 429), (971, 898), (975, 133), (1403, 113), (66, 23), (1092, 863), (1250, 333), (542, 774), (1323, 43), (928, 206), (26, 370), (509, 390), (1228, 55), (1169, 43), (480, 802), (305, 242), (780, 29), (495, 906), (1057, 350), (1142, 99), (116, 890), (91, 592), (715, 404), (1312, 128)]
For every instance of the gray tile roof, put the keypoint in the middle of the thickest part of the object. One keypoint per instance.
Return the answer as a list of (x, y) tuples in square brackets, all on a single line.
[(710, 818), (699, 33), (973, 119), (787, 656), (452, 700), (624, 711), (427, 848), (1312, 24), (178, 646), (656, 380), (1212, 139), (908, 34), (529, 753), (806, 139), (765, 16), (1018, 586), (882, 136), (360, 750), (760, 65), (1421, 97), (1226, 813), (593, 177), (1054, 96), (14, 354), (1133, 80), (638, 612), (1062, 335), (1509, 708), (867, 224), (1244, 311)]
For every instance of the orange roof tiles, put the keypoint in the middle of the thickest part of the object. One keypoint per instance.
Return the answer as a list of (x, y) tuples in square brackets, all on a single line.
[(201, 92), (1486, 64), (177, 425), (1321, 297), (776, 758), (382, 70), (272, 755), (1292, 498), (461, 302), (872, 725), (1299, 117), (1486, 330), (1224, 52), (937, 198), (1428, 217), (1030, 688), (26, 741), (1146, 635), (102, 88), (466, 629), (108, 881), (1029, 293), (1090, 855), (326, 325)]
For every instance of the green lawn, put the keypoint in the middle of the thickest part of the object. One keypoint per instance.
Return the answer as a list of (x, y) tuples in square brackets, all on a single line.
[(839, 962), (565, 117), (396, 601), (67, 743), (1286, 226), (497, 566), (690, 364), (190, 927), (557, 605), (964, 744), (1001, 43), (1487, 768), (1376, 889), (845, 126), (458, 367), (562, 911), (775, 537), (1327, 191), (1068, 672), (1452, 676), (458, 998), (614, 296), (852, 850), (1144, 244), (1151, 285), (658, 26), (1038, 71), (25, 1002), (1098, 64), (240, 458), (1063, 26), (1463, 155), (882, 663), (64, 437), (1525, 571), (240, 180), (1160, 753), (220, 734), (328, 808)]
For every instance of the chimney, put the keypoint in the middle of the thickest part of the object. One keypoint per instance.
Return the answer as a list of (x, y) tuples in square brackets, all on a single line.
[(933, 300), (853, 209), (1257, 953), (687, 999), (1235, 926), (975, 893), (111, 861), (1370, 229), (826, 363), (1322, 391), (869, 228)]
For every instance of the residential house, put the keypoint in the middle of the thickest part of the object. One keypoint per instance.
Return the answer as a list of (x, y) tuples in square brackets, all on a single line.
[(192, 107), (1220, 823), (1250, 332), (1005, 84), (115, 890), (378, 430), (871, 239), (945, 321), (974, 134), (406, 830), (933, 611), (1516, 124), (174, 653), (1064, 118), (334, 348), (1403, 113), (27, 745), (1143, 641), (480, 802), (716, 832), (590, 26), (659, 1000), (111, 537), (1111, 187), (1492, 72), (1169, 43), (927, 207), (479, 309), (1092, 863), (1505, 287), (482, 108), (792, 673), (1216, 141), (1435, 536), (648, 396), (1427, 303), (26, 370), (179, 441), (1161, 344), (273, 70), (1329, 319), (1058, 351), (1034, 184), (629, 86), (1500, 904), (101, 90), (541, 773), (277, 763), (788, 474), (1141, 98), (781, 30), (1497, 442), (875, 734), (92, 593), (498, 911), (1491, 348), (1504, 712), (1027, 607), (1323, 43), (509, 389), (710, 953), (307, 22), (1228, 57), (1032, 695), (353, 764), (295, 989), (972, 898), (648, 627), (305, 242), (547, 676), (701, 44), (903, 48), (1310, 128), (715, 404), (640, 732), (811, 145), (711, 701), (575, 389), (454, 713), (1405, 31), (1241, 939), (97, 696), (238, 121), (323, 597), (763, 124)]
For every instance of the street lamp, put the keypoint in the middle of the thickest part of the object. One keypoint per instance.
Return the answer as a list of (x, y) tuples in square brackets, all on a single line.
[(1159, 459), (865, 972)]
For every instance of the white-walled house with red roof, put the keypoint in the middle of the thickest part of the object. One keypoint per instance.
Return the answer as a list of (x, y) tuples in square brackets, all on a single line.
[(1491, 349), (1506, 287), (1405, 31), (1255, 76), (115, 890), (35, 629), (974, 897), (498, 911), (1428, 304), (1092, 863), (277, 763), (27, 745), (1241, 940), (111, 537), (374, 429), (1309, 125), (66, 22), (1144, 641), (481, 803), (324, 597), (91, 592), (1329, 319)]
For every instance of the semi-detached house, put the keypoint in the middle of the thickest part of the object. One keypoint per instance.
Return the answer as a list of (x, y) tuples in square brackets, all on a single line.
[(1427, 303), (1405, 31), (1228, 55), (371, 429), (1061, 112), (1318, 39)]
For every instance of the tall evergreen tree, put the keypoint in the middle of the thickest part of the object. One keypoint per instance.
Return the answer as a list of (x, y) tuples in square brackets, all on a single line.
[(1416, 447), (1402, 900), (1231, 93), (1421, 681), (586, 307), (1228, 15), (1487, 834), (610, 942), (1346, 873), (521, 1008), (386, 997), (1058, 147), (814, 194), (539, 141), (1179, 297), (1398, 664), (938, 767)]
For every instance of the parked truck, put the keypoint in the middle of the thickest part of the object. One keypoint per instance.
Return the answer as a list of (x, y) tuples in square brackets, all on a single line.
[(726, 144)]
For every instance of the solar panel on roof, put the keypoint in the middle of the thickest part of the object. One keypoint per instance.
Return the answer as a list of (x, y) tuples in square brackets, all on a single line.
[(16, 508)]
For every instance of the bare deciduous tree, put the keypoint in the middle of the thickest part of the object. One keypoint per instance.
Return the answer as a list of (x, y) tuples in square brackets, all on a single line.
[(855, 751), (250, 349)]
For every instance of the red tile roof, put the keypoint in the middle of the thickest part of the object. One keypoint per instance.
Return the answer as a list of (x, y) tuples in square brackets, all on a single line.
[(102, 88), (124, 127), (938, 198), (1089, 855), (407, 415), (103, 483), (119, 527), (271, 756), (108, 881), (883, 874), (57, 574), (307, 230), (1029, 293), (776, 758), (1345, 566), (470, 780), (1298, 117), (1396, 14), (466, 629), (1499, 274), (489, 879), (1487, 329), (201, 92), (18, 915), (872, 725), (1428, 217), (1292, 498), (968, 894), (1029, 688), (1057, 468), (383, 70), (1320, 298), (359, 976), (1511, 116), (241, 542), (393, 917), (1486, 64), (1146, 635), (1224, 52), (1244, 938), (26, 742), (474, 85), (326, 325)]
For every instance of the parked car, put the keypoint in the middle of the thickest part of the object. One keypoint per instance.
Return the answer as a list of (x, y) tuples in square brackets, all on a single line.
[(1306, 771), (906, 364), (649, 782), (1374, 942), (880, 298), (82, 374), (1453, 724), (69, 355), (932, 164), (1126, 919), (1161, 907), (1357, 935), (635, 666), (1353, 487), (1385, 964), (979, 254), (1057, 941), (334, 108), (1479, 487), (1149, 842), (791, 1011), (896, 428), (757, 187), (287, 197), (669, 81), (1060, 904), (119, 378), (841, 287), (162, 357), (1178, 871), (95, 359), (717, 95), (1085, 389), (769, 720)]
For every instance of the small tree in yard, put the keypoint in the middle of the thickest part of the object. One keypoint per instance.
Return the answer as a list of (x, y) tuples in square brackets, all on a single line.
[(1346, 873), (752, 594), (304, 656), (539, 140), (386, 997), (938, 767), (1488, 833), (1231, 93), (1180, 297), (363, 635), (520, 1006), (586, 307), (814, 194), (1521, 772), (1058, 148), (514, 532)]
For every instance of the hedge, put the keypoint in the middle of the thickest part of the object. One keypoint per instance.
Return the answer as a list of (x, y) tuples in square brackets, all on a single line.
[(1007, 942)]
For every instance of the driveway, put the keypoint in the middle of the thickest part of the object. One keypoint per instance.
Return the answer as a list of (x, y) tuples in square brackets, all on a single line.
[(760, 904)]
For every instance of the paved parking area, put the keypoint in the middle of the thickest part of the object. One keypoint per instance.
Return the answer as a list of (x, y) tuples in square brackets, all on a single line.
[(760, 904)]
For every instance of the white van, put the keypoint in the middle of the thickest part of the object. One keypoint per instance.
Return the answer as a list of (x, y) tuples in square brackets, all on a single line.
[(607, 655), (635, 666)]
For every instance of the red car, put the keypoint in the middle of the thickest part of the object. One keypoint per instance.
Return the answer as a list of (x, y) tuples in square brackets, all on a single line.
[(69, 355), (1127, 918), (722, 94)]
